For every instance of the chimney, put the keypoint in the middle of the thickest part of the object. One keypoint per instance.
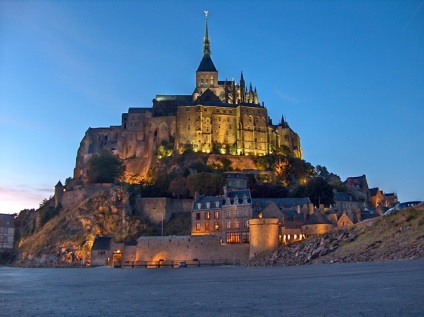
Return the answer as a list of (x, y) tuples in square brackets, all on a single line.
[(225, 191), (311, 209)]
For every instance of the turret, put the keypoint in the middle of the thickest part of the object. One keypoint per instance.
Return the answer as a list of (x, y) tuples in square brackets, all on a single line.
[(58, 193)]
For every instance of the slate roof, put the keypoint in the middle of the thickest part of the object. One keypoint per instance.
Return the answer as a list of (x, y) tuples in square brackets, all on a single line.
[(374, 191), (317, 218), (206, 65), (203, 200), (343, 196), (286, 202), (208, 95), (272, 211), (102, 243), (369, 213), (139, 110)]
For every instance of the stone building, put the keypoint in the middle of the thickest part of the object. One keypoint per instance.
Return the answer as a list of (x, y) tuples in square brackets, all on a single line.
[(345, 203), (358, 188), (222, 116), (226, 216), (7, 232)]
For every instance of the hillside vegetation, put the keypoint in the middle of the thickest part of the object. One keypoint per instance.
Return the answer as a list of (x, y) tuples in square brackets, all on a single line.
[(394, 237)]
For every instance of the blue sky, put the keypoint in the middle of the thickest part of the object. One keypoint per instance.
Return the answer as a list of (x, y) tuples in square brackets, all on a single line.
[(347, 75)]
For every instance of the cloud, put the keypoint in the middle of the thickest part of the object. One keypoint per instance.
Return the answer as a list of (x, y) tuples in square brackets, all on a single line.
[(14, 199)]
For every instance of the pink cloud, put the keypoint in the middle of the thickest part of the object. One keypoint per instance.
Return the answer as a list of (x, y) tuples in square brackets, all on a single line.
[(14, 199)]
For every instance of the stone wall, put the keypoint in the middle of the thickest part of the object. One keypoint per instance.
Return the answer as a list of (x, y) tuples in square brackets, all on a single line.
[(186, 248), (80, 193), (157, 207)]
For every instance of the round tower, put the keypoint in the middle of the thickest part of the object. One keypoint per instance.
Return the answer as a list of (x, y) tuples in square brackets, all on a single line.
[(263, 235)]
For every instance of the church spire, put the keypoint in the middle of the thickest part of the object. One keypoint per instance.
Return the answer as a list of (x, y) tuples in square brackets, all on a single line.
[(206, 64), (206, 43)]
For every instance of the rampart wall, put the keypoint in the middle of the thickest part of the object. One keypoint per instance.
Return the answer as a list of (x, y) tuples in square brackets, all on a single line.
[(185, 248), (80, 193)]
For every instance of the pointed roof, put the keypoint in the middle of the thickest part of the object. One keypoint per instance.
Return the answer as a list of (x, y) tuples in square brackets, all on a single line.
[(317, 218), (208, 95), (59, 184), (102, 243), (206, 64), (272, 211)]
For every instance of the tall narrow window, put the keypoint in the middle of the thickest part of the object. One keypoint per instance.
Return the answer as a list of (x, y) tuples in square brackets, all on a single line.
[(208, 215)]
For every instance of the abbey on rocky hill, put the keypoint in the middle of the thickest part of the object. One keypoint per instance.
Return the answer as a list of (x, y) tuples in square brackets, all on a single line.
[(219, 116)]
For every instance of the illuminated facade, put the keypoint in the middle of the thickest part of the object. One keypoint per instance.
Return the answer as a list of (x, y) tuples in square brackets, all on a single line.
[(225, 216), (219, 116)]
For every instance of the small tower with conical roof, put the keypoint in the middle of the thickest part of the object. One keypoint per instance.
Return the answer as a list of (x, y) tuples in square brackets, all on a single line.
[(58, 194)]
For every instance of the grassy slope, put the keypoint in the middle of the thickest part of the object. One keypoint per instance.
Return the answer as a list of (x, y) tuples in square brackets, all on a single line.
[(397, 236)]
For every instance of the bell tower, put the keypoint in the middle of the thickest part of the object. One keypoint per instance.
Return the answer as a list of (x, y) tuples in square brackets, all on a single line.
[(206, 74)]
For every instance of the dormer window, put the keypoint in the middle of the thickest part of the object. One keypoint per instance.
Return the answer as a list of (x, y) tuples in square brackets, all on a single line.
[(199, 205)]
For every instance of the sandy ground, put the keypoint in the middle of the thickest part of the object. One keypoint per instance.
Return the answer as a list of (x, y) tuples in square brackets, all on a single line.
[(355, 289)]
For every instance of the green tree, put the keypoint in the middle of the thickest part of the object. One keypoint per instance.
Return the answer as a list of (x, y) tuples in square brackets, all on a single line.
[(165, 149), (208, 184), (322, 171), (319, 191), (178, 187), (104, 167)]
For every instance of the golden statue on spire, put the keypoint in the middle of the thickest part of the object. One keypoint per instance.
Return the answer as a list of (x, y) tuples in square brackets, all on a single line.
[(206, 13)]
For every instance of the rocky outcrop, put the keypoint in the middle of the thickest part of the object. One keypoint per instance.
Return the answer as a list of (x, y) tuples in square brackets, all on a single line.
[(67, 238), (305, 252)]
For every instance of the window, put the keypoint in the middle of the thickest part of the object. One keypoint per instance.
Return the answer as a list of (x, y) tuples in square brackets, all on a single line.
[(216, 226), (237, 224), (197, 215), (245, 237), (199, 205), (228, 224), (217, 204), (245, 213), (237, 213), (228, 214), (208, 204), (208, 215), (207, 226), (216, 214), (197, 226), (233, 237), (246, 224)]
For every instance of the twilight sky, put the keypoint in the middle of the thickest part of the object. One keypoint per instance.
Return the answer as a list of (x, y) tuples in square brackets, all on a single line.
[(347, 75)]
